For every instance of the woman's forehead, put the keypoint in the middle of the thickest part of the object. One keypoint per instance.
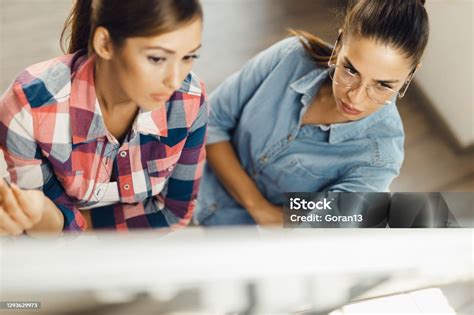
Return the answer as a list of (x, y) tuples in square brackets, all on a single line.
[(172, 41), (373, 59)]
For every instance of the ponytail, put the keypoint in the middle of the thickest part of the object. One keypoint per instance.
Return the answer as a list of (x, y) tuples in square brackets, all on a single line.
[(78, 24), (318, 50)]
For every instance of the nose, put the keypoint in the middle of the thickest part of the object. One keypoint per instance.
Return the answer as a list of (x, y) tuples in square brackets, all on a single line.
[(172, 78), (357, 94)]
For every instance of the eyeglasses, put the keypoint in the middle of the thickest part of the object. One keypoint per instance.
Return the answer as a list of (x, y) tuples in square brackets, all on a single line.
[(346, 77)]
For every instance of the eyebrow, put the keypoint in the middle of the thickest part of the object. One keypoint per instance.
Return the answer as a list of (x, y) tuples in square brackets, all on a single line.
[(169, 51), (379, 81)]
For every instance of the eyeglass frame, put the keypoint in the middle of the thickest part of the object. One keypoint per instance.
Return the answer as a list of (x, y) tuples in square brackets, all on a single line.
[(399, 94)]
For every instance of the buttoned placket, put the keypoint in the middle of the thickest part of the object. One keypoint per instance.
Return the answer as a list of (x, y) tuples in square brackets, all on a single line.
[(282, 145)]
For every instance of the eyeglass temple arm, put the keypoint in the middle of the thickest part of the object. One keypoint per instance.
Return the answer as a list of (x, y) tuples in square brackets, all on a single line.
[(334, 48), (402, 94)]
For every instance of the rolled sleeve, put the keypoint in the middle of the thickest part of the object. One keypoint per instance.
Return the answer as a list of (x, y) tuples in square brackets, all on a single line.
[(367, 179)]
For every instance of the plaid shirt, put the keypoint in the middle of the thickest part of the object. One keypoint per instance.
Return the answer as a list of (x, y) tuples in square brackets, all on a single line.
[(54, 138)]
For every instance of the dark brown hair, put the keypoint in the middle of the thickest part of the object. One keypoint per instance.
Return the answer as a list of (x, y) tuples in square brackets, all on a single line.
[(403, 24), (124, 19)]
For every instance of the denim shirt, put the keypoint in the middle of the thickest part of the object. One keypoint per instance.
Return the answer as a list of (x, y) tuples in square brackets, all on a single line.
[(259, 110)]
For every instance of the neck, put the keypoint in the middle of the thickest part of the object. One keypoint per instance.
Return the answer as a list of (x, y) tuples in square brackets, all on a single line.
[(108, 90), (323, 109)]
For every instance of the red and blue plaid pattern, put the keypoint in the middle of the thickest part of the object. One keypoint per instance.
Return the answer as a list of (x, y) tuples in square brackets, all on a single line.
[(54, 138)]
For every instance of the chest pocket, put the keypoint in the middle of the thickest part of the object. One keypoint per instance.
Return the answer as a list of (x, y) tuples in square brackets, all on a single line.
[(293, 176), (159, 171), (162, 167)]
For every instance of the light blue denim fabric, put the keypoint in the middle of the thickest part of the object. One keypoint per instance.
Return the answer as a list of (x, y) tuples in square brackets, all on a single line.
[(259, 110)]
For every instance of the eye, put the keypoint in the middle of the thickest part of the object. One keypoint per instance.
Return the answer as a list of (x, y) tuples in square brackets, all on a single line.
[(156, 60), (350, 70), (190, 58), (384, 86)]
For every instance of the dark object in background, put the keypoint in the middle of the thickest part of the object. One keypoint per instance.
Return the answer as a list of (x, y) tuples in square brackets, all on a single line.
[(375, 210), (373, 206), (420, 210)]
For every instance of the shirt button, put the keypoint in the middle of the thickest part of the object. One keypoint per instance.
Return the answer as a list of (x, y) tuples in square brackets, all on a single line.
[(170, 168), (123, 153), (290, 138), (126, 186), (98, 192), (264, 159)]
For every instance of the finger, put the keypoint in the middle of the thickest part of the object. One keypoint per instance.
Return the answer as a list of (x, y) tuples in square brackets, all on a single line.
[(4, 187), (3, 232), (16, 212), (1, 190), (7, 224), (25, 204)]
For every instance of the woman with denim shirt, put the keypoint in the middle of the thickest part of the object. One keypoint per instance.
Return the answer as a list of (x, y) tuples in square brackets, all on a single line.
[(304, 117)]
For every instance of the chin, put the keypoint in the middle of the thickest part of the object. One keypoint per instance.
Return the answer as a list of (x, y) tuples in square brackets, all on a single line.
[(152, 106), (346, 115)]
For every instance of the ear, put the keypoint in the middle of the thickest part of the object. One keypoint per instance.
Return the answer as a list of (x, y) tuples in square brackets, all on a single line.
[(102, 43)]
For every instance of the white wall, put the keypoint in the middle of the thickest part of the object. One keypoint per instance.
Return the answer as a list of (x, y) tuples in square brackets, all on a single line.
[(447, 73)]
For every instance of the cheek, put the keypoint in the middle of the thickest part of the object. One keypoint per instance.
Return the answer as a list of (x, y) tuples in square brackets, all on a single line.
[(142, 77), (128, 73), (339, 92)]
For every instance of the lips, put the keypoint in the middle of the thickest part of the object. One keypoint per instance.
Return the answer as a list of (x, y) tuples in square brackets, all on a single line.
[(350, 109)]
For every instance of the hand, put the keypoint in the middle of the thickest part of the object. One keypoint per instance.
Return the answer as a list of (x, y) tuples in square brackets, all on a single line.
[(267, 214), (20, 209)]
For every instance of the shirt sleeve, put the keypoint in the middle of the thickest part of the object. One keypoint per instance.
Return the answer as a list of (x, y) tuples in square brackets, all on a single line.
[(180, 193), (367, 179), (228, 100), (26, 165)]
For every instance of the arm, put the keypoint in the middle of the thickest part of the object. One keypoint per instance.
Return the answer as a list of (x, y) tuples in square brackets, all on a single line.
[(229, 99), (31, 172), (227, 104), (224, 162), (180, 193)]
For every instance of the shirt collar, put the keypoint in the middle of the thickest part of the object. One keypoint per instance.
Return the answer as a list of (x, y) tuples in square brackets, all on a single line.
[(308, 85), (342, 131), (86, 117)]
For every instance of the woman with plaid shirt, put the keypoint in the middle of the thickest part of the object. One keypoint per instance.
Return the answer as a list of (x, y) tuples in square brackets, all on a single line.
[(111, 135)]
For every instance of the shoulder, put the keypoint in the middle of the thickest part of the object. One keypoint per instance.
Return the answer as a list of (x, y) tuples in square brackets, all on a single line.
[(289, 62), (35, 86), (390, 123), (188, 104), (46, 82), (193, 86), (287, 50), (287, 46)]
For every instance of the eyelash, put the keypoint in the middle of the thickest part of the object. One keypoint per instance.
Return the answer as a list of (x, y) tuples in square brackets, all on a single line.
[(355, 72), (160, 60)]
